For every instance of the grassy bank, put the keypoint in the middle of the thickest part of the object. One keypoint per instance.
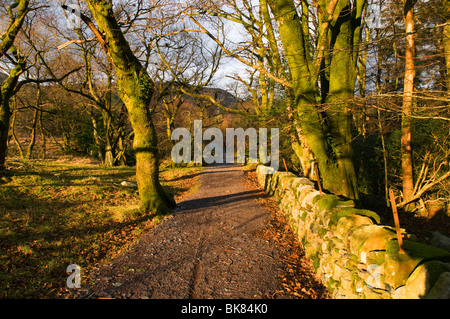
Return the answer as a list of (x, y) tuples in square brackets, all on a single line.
[(57, 213)]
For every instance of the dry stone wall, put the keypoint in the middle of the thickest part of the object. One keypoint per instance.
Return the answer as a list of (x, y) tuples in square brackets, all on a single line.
[(354, 255)]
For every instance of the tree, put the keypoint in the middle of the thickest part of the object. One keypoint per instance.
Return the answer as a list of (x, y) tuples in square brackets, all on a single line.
[(135, 89), (99, 95), (446, 39), (406, 97), (18, 61), (269, 79), (35, 106), (333, 65), (183, 63)]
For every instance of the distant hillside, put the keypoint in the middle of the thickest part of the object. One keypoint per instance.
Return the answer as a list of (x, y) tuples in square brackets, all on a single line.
[(223, 97)]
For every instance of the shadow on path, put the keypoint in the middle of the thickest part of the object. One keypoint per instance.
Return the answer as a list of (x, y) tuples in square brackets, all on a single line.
[(208, 248)]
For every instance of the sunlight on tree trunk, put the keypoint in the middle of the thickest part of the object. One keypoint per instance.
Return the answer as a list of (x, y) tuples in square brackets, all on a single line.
[(8, 86), (330, 138), (406, 149), (135, 89), (446, 40)]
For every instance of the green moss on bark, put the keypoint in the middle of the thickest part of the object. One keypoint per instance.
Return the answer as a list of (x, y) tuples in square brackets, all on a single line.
[(136, 90)]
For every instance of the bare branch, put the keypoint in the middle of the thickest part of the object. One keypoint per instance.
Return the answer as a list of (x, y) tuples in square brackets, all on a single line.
[(62, 46), (425, 188), (26, 81)]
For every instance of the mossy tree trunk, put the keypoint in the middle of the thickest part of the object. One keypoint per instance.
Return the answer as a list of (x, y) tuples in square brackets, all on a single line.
[(5, 115), (344, 44), (298, 141), (136, 90), (446, 40), (7, 88), (326, 127), (6, 93)]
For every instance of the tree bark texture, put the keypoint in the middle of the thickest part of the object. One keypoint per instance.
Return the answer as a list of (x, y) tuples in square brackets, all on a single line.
[(9, 84), (327, 130), (407, 107), (136, 90)]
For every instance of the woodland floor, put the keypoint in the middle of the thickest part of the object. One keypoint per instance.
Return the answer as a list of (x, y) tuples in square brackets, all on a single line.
[(228, 240), (57, 212), (420, 224)]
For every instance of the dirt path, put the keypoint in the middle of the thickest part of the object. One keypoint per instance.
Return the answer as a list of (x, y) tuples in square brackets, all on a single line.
[(210, 248)]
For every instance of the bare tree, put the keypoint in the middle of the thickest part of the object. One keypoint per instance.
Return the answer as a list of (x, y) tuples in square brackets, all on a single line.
[(17, 12), (136, 89)]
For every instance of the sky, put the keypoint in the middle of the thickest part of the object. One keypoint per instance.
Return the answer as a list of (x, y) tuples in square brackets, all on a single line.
[(228, 67)]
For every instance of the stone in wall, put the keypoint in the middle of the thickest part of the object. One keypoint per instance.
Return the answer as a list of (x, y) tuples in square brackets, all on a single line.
[(353, 254)]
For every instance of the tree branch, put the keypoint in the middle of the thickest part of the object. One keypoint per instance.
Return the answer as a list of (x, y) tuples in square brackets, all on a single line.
[(62, 46), (427, 187), (26, 81)]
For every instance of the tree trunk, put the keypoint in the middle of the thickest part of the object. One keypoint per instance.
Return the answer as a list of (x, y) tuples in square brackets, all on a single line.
[(446, 43), (299, 144), (339, 103), (8, 86), (4, 128), (303, 153), (13, 134), (381, 121), (6, 92), (329, 142), (97, 140), (120, 158), (30, 147), (108, 123), (34, 125), (407, 107), (135, 89), (170, 118), (41, 128), (109, 136)]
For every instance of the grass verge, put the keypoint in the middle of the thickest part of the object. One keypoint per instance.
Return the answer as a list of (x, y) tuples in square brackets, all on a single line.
[(57, 213)]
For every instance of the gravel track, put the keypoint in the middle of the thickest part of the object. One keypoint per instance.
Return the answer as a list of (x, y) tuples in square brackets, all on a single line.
[(209, 248)]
